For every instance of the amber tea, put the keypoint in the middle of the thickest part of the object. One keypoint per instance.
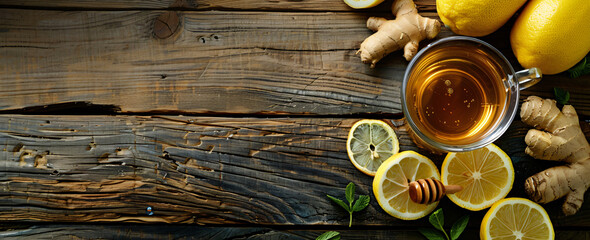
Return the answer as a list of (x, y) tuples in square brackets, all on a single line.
[(457, 94)]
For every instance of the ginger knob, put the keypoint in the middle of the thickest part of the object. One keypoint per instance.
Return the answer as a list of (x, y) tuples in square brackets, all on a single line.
[(559, 137), (426, 191), (405, 32)]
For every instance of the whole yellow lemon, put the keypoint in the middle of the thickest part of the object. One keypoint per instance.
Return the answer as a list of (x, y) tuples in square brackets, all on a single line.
[(476, 17), (552, 35)]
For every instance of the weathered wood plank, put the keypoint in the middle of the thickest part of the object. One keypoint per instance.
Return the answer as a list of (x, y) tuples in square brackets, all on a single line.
[(304, 5), (232, 62), (159, 231), (69, 231), (204, 170), (200, 170), (220, 61)]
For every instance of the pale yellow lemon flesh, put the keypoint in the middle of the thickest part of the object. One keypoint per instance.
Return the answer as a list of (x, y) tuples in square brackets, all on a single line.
[(358, 4), (486, 175), (516, 218), (390, 185), (370, 143)]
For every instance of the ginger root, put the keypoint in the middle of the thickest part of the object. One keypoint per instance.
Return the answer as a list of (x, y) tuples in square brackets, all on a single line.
[(406, 31), (563, 140)]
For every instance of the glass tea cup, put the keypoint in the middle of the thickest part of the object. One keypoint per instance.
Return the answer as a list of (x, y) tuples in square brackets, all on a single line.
[(460, 94)]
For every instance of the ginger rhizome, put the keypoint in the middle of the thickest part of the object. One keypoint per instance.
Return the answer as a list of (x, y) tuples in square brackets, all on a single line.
[(406, 31), (562, 140)]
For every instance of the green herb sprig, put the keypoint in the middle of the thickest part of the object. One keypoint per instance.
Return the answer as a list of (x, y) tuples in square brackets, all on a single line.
[(582, 68), (360, 204), (437, 219), (331, 235), (561, 96)]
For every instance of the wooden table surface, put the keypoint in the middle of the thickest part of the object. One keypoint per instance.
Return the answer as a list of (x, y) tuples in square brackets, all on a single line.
[(228, 118)]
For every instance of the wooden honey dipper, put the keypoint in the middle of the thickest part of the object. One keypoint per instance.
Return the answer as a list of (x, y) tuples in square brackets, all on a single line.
[(429, 190)]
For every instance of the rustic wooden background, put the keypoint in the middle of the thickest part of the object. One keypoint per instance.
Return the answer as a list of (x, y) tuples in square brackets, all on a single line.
[(227, 118)]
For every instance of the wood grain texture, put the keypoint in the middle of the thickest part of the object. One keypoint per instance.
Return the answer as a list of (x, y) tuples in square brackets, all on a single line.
[(265, 177), (201, 170), (161, 231), (189, 170), (283, 5), (218, 61)]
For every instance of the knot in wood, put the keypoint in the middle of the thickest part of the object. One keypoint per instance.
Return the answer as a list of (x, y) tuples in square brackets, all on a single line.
[(166, 24)]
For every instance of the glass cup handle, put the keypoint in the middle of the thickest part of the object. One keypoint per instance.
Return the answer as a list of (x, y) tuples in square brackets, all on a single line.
[(528, 77)]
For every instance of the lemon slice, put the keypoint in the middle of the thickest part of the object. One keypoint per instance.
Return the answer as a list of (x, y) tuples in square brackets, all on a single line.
[(390, 185), (362, 3), (370, 142), (516, 218), (486, 175)]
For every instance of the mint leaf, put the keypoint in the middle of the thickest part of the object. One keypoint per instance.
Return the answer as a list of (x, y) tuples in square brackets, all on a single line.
[(331, 235), (561, 96), (339, 202), (361, 203), (350, 188), (431, 234), (583, 67), (437, 219), (458, 227)]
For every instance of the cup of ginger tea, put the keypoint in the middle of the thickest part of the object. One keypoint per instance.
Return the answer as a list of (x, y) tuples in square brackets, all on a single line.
[(460, 93)]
